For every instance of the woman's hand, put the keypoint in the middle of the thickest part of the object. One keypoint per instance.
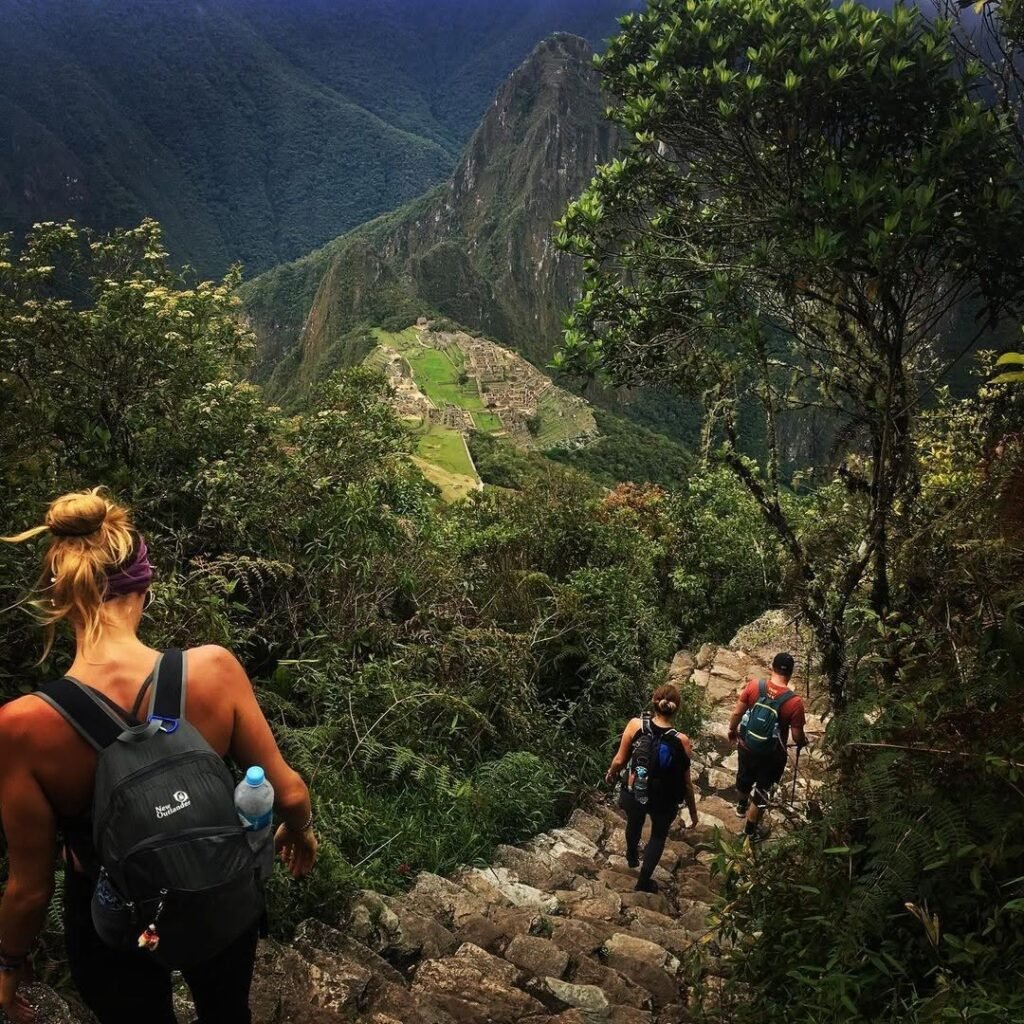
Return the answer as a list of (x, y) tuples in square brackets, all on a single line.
[(296, 850), (693, 819), (15, 1006), (609, 777)]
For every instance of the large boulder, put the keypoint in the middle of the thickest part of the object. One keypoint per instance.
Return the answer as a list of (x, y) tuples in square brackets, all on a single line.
[(681, 668), (652, 900)]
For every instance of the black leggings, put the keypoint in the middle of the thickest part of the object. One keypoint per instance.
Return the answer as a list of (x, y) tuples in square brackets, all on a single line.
[(661, 822), (126, 987)]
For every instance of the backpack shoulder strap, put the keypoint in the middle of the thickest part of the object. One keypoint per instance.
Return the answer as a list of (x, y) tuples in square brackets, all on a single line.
[(167, 700), (783, 697), (762, 689), (93, 718)]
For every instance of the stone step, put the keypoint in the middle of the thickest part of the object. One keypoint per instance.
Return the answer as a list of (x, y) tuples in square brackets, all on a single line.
[(540, 869), (537, 956), (396, 932), (498, 886), (591, 900), (620, 990), (288, 988), (474, 987)]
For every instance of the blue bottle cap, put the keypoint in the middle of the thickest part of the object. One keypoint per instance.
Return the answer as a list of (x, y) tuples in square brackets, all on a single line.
[(255, 776)]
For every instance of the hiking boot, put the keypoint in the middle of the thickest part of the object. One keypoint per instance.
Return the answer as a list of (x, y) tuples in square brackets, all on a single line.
[(632, 859), (646, 885), (758, 834), (741, 807)]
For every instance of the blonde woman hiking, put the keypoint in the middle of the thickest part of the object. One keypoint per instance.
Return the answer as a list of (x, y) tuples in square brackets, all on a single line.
[(150, 729)]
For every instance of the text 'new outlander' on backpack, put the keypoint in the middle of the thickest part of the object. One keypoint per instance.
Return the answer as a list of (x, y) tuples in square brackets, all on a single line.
[(759, 727), (172, 853), (654, 761)]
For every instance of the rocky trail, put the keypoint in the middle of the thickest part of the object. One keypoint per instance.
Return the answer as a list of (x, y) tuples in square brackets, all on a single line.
[(551, 932)]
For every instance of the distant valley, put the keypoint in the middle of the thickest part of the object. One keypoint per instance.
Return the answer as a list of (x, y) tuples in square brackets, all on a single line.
[(253, 130)]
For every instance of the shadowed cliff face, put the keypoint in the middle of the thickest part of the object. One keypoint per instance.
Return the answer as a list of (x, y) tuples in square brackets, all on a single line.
[(478, 248)]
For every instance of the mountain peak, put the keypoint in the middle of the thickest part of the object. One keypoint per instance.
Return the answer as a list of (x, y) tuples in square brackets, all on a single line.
[(477, 249)]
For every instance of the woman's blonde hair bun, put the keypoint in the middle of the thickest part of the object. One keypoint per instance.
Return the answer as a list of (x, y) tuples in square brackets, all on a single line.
[(668, 706), (90, 534), (77, 515)]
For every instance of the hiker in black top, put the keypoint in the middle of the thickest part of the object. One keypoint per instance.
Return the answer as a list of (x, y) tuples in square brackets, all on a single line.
[(657, 782), (96, 578)]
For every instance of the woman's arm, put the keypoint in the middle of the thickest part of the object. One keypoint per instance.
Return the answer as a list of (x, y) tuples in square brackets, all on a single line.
[(690, 795), (252, 742), (621, 757), (31, 831)]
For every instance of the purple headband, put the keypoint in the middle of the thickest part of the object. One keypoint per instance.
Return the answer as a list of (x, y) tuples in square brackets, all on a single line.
[(133, 577)]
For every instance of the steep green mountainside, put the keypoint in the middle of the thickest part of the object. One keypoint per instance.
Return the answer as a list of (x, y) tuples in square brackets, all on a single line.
[(476, 249), (254, 130)]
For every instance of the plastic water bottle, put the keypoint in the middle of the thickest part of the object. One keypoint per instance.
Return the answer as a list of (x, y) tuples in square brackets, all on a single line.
[(640, 785), (254, 802)]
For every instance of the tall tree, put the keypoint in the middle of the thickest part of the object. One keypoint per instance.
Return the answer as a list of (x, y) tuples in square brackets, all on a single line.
[(807, 194)]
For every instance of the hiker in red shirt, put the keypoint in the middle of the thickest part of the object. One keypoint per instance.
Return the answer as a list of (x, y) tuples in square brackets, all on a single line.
[(766, 712)]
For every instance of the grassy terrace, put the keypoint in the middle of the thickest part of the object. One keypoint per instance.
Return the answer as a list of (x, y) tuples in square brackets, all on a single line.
[(437, 374), (445, 448)]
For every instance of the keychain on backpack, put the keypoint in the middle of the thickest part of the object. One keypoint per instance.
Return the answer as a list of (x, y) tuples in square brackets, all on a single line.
[(150, 938)]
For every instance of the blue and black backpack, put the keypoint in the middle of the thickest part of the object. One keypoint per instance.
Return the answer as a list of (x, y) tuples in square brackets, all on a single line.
[(759, 728), (658, 764)]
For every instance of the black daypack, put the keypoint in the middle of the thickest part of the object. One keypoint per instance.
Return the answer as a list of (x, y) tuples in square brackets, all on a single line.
[(657, 764), (176, 872)]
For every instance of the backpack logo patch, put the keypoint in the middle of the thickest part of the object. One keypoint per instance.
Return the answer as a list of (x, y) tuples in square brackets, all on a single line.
[(181, 801)]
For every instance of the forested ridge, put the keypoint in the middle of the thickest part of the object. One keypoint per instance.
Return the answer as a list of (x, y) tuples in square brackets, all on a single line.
[(253, 130), (802, 197)]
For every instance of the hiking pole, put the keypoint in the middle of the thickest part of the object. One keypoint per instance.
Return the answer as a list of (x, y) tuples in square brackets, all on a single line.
[(796, 772)]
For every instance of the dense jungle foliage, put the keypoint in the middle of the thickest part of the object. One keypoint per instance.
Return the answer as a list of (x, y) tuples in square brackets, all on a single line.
[(449, 677), (808, 195), (446, 677)]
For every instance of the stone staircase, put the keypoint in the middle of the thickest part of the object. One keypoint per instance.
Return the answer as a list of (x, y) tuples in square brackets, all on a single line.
[(552, 932)]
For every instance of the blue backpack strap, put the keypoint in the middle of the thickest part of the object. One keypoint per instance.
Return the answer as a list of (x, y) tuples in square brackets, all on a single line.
[(762, 689), (93, 717), (167, 703)]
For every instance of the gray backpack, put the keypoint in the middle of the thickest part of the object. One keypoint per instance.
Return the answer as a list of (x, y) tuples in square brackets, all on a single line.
[(176, 874)]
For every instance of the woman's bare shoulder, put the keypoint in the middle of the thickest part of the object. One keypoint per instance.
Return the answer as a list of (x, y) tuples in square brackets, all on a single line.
[(212, 658), (25, 721)]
